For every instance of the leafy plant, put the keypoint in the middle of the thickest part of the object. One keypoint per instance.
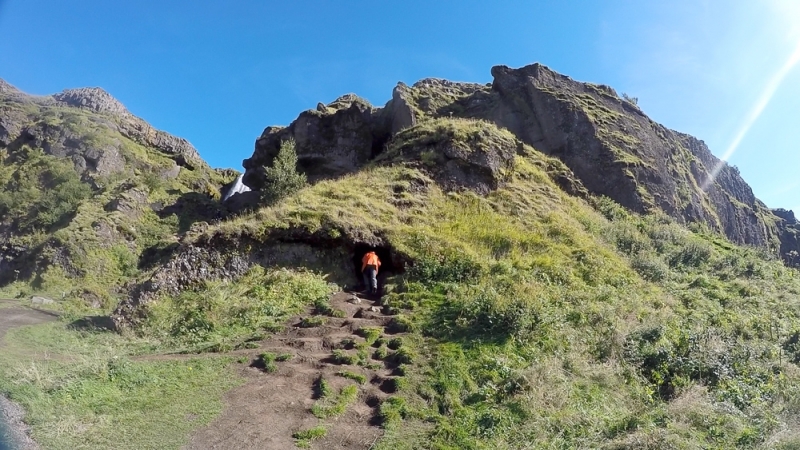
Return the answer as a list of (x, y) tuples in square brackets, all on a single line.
[(282, 178)]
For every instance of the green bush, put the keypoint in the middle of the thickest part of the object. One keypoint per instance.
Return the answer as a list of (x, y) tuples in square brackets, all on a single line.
[(231, 312), (448, 269), (392, 411), (380, 353), (370, 334), (311, 322), (395, 343), (650, 266), (267, 361), (694, 254), (42, 191), (282, 178)]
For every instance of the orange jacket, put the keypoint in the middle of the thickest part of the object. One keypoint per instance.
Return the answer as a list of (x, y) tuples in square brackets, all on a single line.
[(370, 259)]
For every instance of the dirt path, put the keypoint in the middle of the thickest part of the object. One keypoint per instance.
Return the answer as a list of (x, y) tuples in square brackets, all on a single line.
[(265, 411), (12, 316)]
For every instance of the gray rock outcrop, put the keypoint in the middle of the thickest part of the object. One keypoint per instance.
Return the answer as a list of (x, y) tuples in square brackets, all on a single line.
[(610, 145)]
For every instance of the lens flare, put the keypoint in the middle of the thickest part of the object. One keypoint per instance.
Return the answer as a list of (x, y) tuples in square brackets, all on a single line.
[(755, 113)]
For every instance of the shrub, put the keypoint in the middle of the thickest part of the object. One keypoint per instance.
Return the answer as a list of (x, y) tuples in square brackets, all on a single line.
[(694, 254), (649, 266), (267, 361), (392, 410), (229, 312), (448, 269), (395, 343), (282, 178), (400, 324), (311, 322), (381, 353), (628, 239), (403, 356)]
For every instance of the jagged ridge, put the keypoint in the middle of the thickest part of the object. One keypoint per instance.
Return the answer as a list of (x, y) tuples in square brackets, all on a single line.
[(608, 142)]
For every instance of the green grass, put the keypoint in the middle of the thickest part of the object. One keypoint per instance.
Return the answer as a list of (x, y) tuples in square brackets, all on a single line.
[(85, 390), (342, 357), (535, 319), (305, 437), (380, 353), (226, 314), (331, 406), (357, 377), (370, 334), (312, 322)]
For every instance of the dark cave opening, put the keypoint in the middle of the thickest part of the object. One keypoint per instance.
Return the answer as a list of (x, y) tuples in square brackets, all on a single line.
[(387, 263)]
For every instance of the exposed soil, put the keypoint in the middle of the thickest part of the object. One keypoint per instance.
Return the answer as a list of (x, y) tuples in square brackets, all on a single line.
[(12, 316), (265, 411)]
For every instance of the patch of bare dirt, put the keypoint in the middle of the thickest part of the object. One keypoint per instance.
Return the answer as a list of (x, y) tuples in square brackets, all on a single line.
[(12, 316), (265, 411)]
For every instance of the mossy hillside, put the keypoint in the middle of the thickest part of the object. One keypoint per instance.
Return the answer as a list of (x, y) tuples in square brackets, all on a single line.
[(467, 134), (65, 220), (435, 98), (537, 318)]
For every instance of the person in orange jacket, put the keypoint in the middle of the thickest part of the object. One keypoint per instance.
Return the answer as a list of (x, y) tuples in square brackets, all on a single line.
[(369, 269)]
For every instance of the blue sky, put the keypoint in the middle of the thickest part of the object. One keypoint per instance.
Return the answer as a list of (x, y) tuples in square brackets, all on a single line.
[(217, 73)]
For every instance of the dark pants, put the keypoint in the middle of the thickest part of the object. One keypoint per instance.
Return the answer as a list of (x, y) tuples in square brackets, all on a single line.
[(370, 278)]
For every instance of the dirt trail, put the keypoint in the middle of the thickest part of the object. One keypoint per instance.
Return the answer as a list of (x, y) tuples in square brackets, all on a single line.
[(265, 411), (12, 316)]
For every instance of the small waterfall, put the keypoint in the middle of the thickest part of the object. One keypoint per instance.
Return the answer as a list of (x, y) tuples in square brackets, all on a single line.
[(237, 188)]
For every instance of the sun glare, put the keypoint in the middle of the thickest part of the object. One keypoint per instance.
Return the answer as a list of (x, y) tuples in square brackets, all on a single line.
[(755, 112)]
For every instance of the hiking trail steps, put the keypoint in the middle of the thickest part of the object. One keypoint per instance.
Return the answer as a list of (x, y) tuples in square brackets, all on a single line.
[(265, 411)]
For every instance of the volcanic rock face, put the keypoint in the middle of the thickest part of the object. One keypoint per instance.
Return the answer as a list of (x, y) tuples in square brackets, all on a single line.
[(331, 140), (619, 152), (608, 142)]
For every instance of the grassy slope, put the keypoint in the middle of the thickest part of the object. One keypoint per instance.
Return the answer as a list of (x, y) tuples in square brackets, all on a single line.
[(84, 390), (81, 389), (537, 320), (542, 322)]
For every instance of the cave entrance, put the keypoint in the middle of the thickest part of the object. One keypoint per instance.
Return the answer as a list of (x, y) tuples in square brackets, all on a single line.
[(387, 263)]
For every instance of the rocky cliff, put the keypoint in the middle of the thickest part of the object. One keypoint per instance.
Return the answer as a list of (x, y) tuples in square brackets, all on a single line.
[(20, 124), (608, 142), (89, 191)]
